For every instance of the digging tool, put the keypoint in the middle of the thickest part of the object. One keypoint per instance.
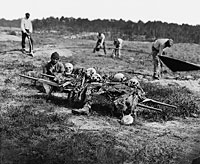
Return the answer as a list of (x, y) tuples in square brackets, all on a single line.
[(48, 82), (48, 85), (51, 76), (148, 107), (30, 46), (157, 102), (66, 83)]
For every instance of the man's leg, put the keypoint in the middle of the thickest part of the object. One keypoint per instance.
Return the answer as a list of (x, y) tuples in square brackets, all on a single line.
[(156, 69), (31, 39), (96, 46), (156, 65), (118, 53), (23, 41)]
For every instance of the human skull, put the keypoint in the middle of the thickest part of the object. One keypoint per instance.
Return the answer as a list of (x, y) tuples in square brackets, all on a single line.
[(68, 68), (133, 82), (127, 120), (96, 78), (119, 77), (90, 72)]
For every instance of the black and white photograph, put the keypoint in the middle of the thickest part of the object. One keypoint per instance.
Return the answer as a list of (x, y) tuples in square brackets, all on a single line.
[(99, 82)]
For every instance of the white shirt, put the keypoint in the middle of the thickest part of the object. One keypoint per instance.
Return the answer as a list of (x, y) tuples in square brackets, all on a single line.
[(26, 24), (118, 43), (159, 44), (102, 37)]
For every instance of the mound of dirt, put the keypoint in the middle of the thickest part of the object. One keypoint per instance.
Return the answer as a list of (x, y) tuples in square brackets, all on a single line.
[(6, 37)]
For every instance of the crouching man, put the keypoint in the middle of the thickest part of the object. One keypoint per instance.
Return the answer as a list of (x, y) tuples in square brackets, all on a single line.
[(55, 69)]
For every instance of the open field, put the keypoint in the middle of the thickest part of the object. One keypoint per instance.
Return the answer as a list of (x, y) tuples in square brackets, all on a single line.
[(36, 131)]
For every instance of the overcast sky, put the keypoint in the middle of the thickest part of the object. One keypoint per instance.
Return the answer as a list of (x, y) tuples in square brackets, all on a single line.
[(170, 11)]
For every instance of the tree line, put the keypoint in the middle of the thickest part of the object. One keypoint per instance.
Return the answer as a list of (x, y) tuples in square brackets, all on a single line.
[(128, 30)]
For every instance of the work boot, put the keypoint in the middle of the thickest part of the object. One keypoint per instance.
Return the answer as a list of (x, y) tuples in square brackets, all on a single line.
[(83, 111)]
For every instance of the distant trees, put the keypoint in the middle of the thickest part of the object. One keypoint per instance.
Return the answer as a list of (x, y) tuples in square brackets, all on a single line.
[(10, 23), (127, 30)]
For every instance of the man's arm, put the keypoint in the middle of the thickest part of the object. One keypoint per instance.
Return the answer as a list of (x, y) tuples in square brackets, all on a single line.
[(22, 26), (60, 71), (62, 68), (31, 27), (102, 40), (44, 68), (161, 47)]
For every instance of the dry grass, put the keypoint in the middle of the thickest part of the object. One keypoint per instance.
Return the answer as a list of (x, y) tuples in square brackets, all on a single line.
[(36, 131)]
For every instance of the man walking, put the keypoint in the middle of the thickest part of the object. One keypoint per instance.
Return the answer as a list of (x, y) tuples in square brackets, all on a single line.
[(27, 29), (158, 48)]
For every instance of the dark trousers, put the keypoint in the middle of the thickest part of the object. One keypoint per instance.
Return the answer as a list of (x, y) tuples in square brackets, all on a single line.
[(97, 47), (24, 35)]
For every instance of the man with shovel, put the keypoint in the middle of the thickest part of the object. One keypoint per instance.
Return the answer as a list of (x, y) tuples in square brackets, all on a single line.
[(158, 48), (100, 43), (27, 29)]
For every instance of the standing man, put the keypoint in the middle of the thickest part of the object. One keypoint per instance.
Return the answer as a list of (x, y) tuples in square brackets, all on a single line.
[(27, 29), (117, 50), (158, 48), (100, 43)]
